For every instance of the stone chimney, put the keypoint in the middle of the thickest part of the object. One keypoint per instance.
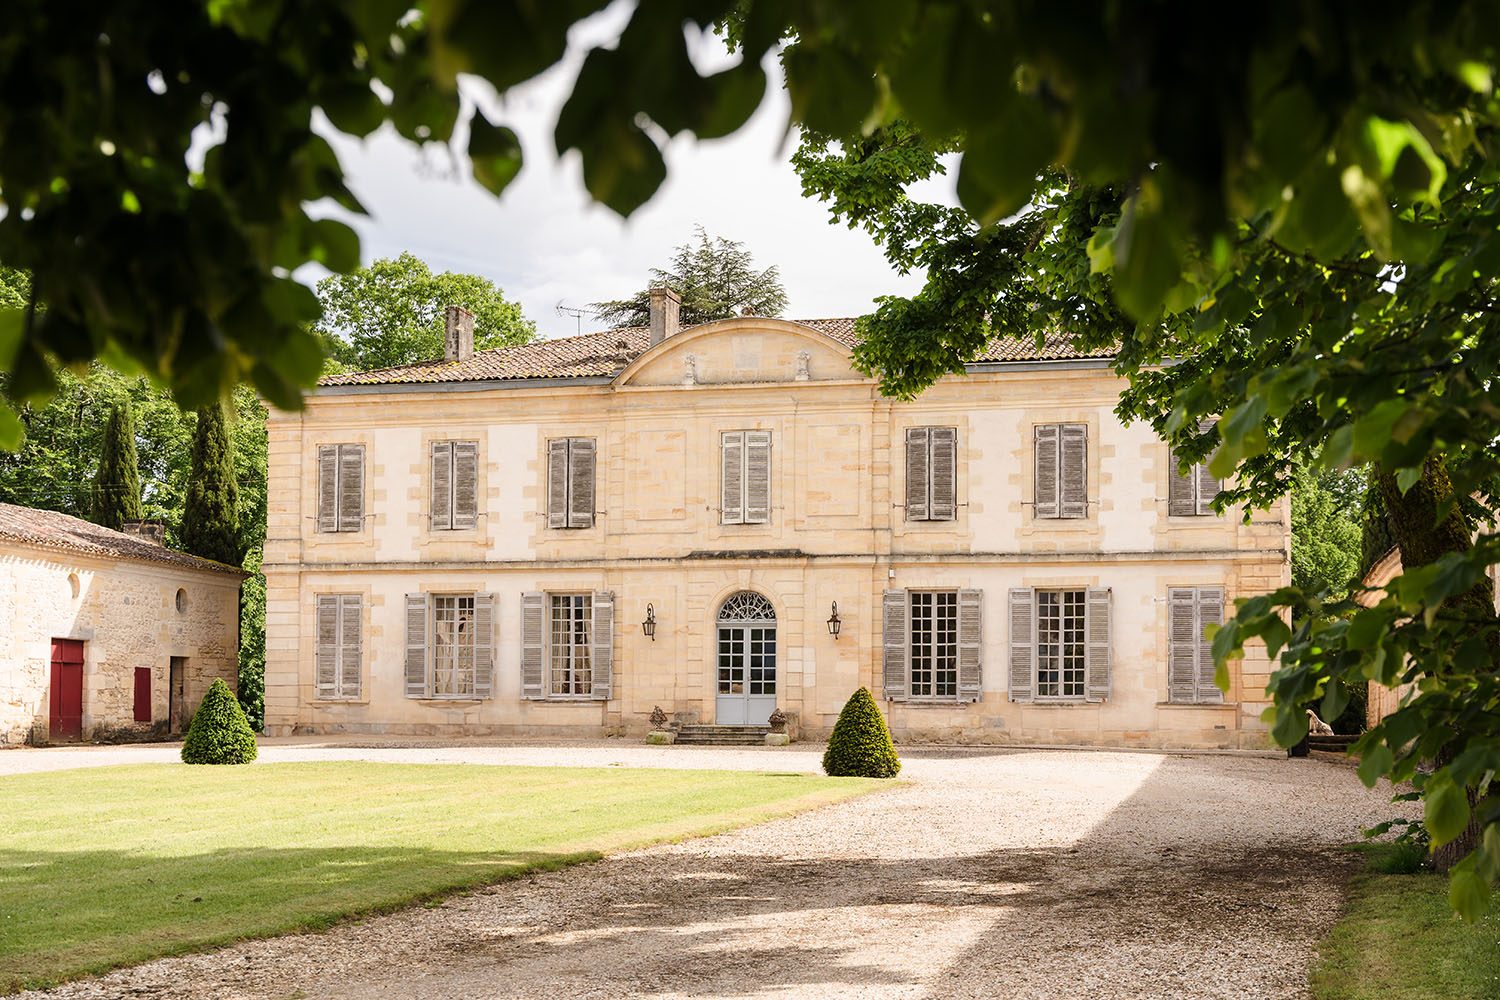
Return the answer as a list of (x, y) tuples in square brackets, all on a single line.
[(146, 530), (458, 334), (666, 313)]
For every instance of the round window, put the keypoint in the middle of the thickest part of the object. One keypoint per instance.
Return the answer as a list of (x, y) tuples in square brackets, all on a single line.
[(181, 601)]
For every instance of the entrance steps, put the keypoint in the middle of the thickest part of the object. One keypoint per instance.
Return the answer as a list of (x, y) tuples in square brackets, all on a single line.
[(722, 736)]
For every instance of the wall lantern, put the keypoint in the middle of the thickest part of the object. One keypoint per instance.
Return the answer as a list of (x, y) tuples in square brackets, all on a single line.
[(833, 621), (648, 627)]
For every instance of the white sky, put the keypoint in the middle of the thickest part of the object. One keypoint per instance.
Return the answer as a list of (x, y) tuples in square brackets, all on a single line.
[(544, 241)]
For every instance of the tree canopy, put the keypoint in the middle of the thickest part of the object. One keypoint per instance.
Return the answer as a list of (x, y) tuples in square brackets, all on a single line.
[(716, 278), (117, 484), (390, 313)]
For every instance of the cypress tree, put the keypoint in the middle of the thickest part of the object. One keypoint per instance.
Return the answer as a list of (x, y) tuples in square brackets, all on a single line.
[(117, 485), (210, 517)]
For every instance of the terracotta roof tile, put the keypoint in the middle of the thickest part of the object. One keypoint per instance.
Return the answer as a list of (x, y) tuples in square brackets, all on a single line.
[(607, 353), (52, 530)]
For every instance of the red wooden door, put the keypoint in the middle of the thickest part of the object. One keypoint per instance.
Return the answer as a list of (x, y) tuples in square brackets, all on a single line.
[(67, 689)]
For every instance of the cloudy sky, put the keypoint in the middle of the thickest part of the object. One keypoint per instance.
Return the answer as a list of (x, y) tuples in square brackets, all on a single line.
[(544, 242)]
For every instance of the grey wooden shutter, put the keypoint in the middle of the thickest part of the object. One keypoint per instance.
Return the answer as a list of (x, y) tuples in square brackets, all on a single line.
[(484, 645), (351, 646), (442, 485), (944, 470), (1097, 646), (893, 604), (1074, 465), (557, 483), (1182, 644), (602, 653), (970, 644), (418, 655), (465, 484), (1208, 488), (918, 481), (732, 477), (1181, 496), (328, 495), (580, 482), (1210, 607), (328, 636), (1046, 448), (351, 487), (533, 645), (1022, 644), (757, 477)]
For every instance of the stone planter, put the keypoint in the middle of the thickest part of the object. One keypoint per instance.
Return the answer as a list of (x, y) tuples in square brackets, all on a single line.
[(777, 739), (661, 737)]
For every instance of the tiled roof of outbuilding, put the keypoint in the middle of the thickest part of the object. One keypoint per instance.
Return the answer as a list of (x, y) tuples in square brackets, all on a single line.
[(608, 352), (52, 530)]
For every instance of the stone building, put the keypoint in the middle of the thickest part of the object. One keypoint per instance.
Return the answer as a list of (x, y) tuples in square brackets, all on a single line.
[(481, 544), (107, 634)]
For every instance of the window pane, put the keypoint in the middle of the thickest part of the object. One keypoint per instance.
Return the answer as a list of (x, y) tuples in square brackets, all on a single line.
[(572, 634), (1060, 644)]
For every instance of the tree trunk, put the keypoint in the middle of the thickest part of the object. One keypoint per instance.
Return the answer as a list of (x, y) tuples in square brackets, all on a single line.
[(1424, 539)]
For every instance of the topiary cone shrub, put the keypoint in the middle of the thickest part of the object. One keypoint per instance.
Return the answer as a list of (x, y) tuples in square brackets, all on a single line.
[(220, 733), (861, 746)]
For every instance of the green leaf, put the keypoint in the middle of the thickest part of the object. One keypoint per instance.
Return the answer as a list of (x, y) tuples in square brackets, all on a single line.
[(1445, 806), (12, 431), (1468, 892), (1146, 258), (1335, 700), (1375, 763), (1000, 164), (494, 152), (334, 245), (1291, 725)]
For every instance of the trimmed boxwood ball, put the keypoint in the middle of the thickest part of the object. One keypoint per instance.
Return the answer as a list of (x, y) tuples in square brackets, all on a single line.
[(220, 733), (860, 746)]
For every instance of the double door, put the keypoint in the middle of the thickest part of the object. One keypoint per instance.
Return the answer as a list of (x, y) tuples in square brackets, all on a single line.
[(747, 675)]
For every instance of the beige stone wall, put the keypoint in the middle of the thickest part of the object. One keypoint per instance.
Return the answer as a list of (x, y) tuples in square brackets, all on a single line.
[(837, 533), (126, 614)]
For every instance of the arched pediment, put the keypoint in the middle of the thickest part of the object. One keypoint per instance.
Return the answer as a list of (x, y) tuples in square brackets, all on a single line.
[(745, 349)]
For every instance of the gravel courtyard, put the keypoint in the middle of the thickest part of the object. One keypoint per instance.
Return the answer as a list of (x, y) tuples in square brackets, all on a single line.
[(1017, 874)]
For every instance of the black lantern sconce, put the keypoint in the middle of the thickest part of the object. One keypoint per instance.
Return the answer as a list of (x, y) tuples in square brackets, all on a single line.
[(834, 623), (648, 627)]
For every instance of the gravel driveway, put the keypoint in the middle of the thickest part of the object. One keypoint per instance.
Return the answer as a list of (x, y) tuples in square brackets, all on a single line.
[(1040, 874)]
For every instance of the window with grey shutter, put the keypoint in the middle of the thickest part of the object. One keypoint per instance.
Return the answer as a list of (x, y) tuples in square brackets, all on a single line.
[(455, 483), (418, 611), (533, 645), (932, 625), (571, 476), (895, 651), (484, 645), (1190, 658), (604, 645), (1191, 493), (341, 487), (328, 647), (1061, 467), (745, 477), (1022, 644), (1099, 636), (970, 644), (931, 473)]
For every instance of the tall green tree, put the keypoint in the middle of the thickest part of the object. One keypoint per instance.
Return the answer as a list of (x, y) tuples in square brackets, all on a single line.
[(716, 278), (391, 313), (210, 516), (1326, 529), (117, 484)]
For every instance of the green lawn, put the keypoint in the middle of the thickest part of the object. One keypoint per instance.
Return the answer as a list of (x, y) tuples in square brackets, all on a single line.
[(111, 866), (1400, 941)]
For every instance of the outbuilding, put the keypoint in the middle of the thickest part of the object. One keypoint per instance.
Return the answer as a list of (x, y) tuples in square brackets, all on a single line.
[(107, 634)]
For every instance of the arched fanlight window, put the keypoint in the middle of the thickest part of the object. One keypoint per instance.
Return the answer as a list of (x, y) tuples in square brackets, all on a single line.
[(747, 608)]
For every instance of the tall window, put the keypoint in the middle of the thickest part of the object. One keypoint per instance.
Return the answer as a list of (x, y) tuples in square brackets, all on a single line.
[(341, 487), (1062, 463), (931, 474), (1190, 656), (1192, 494), (455, 484), (745, 477), (1060, 666), (570, 482), (453, 636), (572, 634), (339, 627), (934, 644)]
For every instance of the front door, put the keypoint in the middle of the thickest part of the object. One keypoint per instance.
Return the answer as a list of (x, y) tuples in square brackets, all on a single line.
[(65, 717), (176, 693), (747, 661)]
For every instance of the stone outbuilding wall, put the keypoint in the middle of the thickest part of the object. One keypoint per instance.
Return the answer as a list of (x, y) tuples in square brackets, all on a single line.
[(127, 613)]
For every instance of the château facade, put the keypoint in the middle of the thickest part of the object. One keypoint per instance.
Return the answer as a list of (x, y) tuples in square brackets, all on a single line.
[(479, 545)]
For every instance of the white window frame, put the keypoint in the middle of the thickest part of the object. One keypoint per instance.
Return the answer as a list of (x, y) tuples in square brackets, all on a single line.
[(931, 643), (1064, 623), (570, 664), (454, 649)]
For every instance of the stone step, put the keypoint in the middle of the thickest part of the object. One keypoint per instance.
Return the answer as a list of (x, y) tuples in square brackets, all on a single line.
[(709, 735)]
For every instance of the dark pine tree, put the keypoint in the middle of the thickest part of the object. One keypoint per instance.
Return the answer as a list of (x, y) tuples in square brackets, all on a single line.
[(210, 518), (117, 485)]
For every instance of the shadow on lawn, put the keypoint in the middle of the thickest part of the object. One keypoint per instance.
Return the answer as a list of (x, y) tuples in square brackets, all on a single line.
[(71, 913)]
